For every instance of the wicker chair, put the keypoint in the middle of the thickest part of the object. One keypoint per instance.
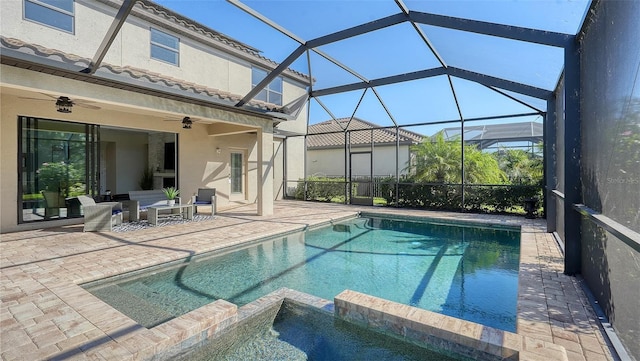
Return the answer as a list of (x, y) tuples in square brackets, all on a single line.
[(53, 201), (205, 197), (100, 216)]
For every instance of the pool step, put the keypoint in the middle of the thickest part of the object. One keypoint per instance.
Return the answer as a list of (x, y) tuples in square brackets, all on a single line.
[(139, 309)]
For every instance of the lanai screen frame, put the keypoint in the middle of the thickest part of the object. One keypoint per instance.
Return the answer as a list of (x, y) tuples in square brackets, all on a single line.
[(571, 194), (563, 103), (570, 91)]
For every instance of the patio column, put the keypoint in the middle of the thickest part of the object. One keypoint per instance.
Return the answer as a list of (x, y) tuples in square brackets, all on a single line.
[(265, 173), (550, 164), (572, 181)]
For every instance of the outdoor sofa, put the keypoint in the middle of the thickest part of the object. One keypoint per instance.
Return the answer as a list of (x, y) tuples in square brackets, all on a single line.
[(140, 201)]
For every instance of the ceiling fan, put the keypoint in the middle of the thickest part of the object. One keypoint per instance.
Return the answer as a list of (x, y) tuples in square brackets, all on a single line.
[(186, 122), (64, 104)]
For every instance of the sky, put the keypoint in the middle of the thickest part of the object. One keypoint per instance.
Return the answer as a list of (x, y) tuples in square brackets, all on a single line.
[(399, 49)]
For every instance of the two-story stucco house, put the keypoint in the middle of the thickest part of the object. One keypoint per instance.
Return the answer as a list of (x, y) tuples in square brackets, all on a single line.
[(109, 96)]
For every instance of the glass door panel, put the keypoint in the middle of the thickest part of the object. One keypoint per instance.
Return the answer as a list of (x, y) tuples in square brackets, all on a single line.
[(58, 162), (236, 176)]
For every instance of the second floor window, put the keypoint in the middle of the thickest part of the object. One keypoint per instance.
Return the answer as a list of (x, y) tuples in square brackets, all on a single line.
[(273, 92), (165, 47), (54, 13)]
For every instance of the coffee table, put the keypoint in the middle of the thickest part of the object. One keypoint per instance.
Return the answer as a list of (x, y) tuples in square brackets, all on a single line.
[(156, 212)]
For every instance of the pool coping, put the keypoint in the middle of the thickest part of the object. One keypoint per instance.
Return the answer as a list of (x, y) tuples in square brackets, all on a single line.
[(431, 330), (491, 224), (47, 315)]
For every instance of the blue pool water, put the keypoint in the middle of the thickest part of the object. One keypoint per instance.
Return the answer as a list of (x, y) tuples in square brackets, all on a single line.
[(465, 272)]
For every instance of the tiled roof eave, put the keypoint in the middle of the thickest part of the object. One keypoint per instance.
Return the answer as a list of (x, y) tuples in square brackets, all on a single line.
[(164, 17), (38, 58), (360, 145), (324, 133)]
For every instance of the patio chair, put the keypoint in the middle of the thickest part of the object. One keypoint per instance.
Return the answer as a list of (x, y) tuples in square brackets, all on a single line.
[(53, 201), (205, 197), (100, 216)]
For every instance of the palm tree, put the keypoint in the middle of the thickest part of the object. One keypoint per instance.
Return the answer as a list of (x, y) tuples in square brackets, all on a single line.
[(521, 167), (439, 161)]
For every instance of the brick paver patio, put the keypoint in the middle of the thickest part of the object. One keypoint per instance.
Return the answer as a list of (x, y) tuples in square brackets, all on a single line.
[(44, 314)]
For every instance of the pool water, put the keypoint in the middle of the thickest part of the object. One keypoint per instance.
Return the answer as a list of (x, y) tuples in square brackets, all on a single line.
[(294, 332), (464, 272)]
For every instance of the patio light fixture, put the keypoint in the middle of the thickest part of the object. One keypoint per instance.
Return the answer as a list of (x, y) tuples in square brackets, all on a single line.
[(64, 105), (186, 123)]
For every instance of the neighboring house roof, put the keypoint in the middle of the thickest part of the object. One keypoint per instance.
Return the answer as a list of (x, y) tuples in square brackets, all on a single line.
[(330, 134), (489, 134)]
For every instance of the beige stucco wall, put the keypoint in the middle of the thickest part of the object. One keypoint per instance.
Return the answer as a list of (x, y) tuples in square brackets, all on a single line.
[(131, 46), (89, 21), (198, 63), (330, 162), (278, 167), (199, 163)]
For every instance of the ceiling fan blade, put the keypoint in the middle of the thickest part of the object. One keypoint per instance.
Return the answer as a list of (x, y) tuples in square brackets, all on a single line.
[(44, 100), (50, 96), (88, 106), (193, 120)]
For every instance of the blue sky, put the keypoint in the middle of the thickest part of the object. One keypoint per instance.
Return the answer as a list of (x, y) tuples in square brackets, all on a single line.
[(398, 49)]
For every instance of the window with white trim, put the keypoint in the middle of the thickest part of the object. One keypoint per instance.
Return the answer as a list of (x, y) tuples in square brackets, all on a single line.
[(57, 14), (165, 47), (272, 93)]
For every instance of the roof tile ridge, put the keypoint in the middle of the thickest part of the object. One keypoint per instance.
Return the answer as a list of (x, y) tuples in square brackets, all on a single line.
[(202, 29), (14, 43), (133, 72), (412, 133), (169, 15)]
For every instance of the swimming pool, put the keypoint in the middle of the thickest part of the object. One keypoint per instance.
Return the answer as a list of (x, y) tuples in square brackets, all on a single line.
[(457, 270)]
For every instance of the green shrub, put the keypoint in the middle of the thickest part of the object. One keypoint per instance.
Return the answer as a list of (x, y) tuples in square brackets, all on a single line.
[(486, 199), (321, 189), (57, 177), (477, 198)]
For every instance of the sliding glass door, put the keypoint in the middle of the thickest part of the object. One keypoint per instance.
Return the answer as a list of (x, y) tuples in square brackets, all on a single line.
[(57, 162)]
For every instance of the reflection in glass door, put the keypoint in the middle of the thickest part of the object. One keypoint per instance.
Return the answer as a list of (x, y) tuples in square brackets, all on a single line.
[(57, 162), (237, 175)]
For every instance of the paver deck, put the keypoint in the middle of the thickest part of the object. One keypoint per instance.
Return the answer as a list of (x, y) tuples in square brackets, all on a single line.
[(44, 314)]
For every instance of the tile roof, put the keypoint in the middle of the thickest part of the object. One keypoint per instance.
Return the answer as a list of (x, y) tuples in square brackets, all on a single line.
[(330, 134), (195, 27), (189, 27), (217, 95)]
